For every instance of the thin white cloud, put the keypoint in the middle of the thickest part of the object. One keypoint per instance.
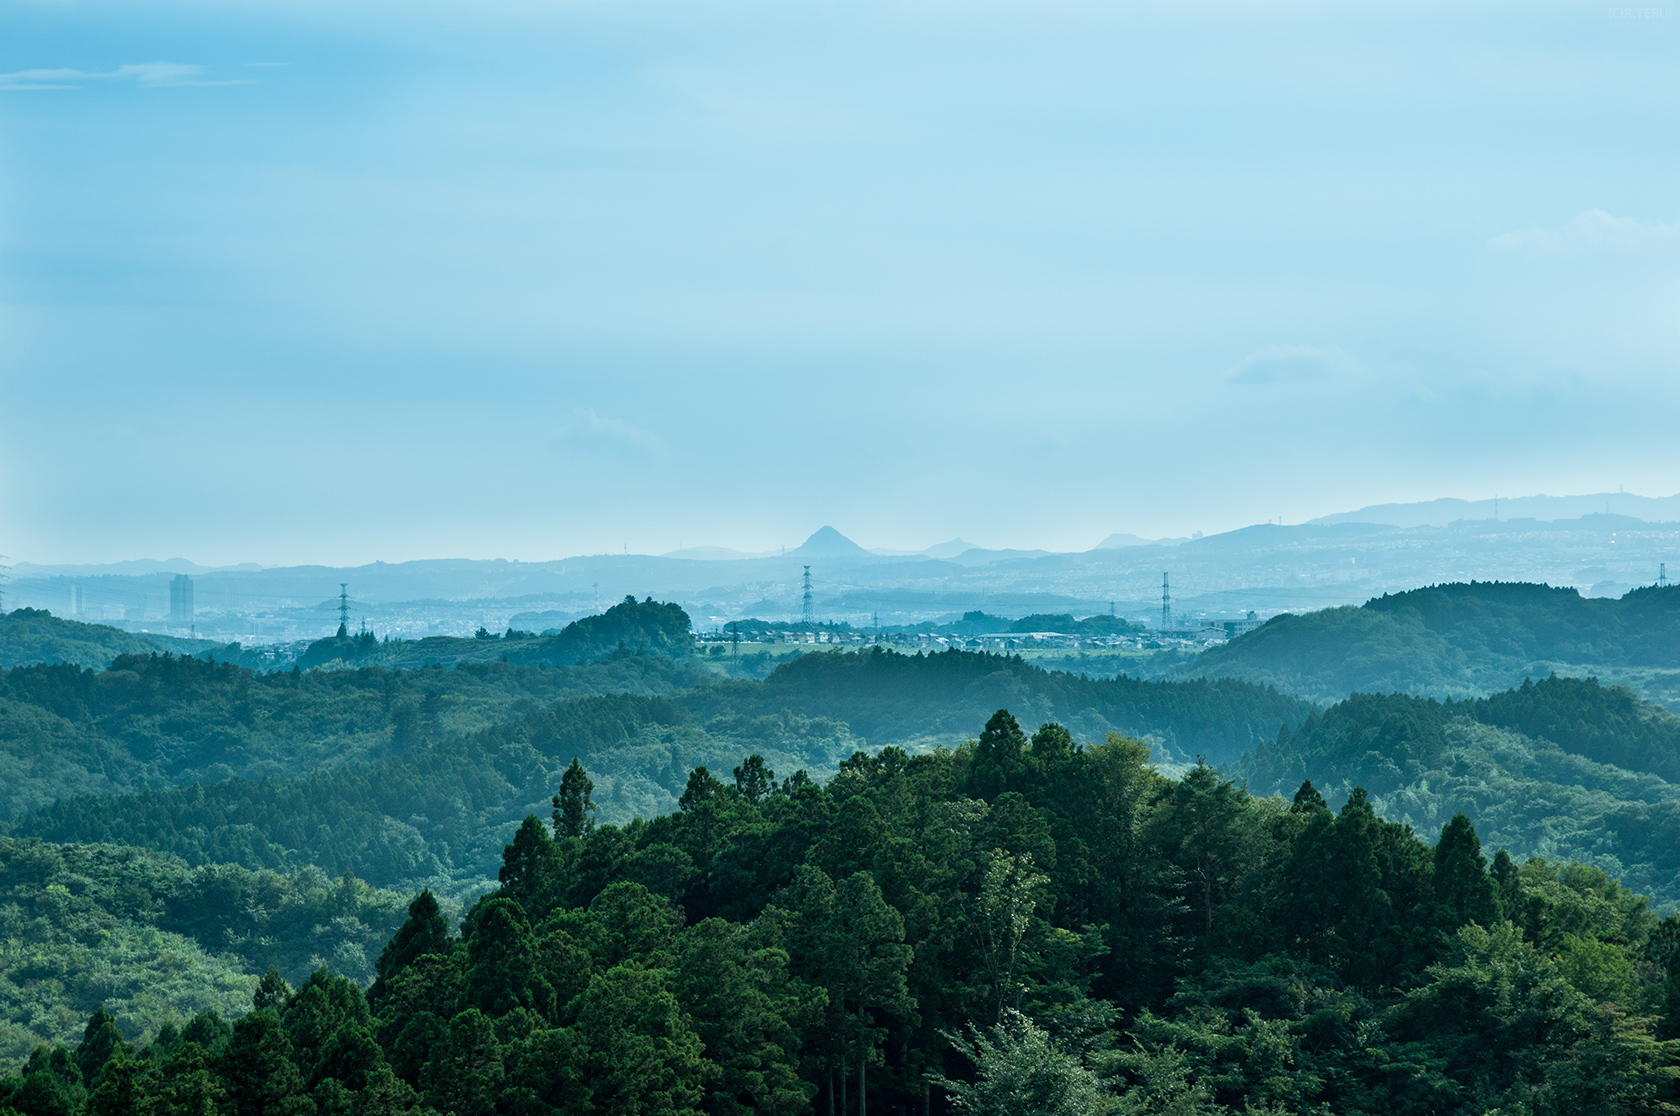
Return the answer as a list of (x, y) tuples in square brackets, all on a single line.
[(144, 74), (1274, 364), (587, 427), (1591, 233)]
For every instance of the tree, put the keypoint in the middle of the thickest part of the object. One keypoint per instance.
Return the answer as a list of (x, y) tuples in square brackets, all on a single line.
[(1307, 800), (272, 992), (262, 1078), (464, 1073), (641, 1055), (101, 1041), (321, 1007), (870, 962), (574, 806), (1020, 1071), (1463, 890), (503, 955), (750, 1013), (998, 757), (753, 779), (118, 1092), (186, 1086), (1011, 891), (424, 932), (524, 862), (1201, 828), (702, 787)]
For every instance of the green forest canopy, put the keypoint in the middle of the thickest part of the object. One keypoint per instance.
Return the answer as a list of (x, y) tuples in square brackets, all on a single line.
[(433, 807), (1015, 926)]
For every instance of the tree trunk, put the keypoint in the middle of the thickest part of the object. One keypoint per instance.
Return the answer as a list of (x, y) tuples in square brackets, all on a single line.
[(845, 1082), (863, 1085), (1207, 901), (831, 1109)]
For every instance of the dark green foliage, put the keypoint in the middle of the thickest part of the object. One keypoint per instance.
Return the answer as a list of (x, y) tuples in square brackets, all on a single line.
[(999, 757), (101, 1042), (258, 1067), (436, 811), (574, 806), (1464, 892), (424, 932)]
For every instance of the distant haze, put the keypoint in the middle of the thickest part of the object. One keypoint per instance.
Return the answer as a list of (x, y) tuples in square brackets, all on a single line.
[(310, 282)]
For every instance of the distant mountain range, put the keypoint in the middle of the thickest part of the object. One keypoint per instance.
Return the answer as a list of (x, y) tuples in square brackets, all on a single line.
[(1266, 569), (1440, 513)]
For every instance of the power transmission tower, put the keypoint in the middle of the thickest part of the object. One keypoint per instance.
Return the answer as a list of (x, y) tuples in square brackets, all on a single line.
[(1662, 575), (597, 596), (5, 576), (344, 609), (805, 601), (1166, 604)]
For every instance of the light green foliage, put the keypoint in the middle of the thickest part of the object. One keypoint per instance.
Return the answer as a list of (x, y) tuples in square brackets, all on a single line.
[(1500, 1010), (1020, 1071), (153, 940), (1010, 894)]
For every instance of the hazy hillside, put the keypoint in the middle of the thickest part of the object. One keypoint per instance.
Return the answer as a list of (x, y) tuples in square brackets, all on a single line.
[(29, 635), (1462, 640), (638, 626), (890, 698)]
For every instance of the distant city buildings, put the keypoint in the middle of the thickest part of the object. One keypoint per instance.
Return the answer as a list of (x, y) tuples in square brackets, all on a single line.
[(181, 601)]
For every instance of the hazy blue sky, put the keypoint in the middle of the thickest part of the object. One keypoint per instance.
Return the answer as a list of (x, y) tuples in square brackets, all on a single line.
[(344, 281)]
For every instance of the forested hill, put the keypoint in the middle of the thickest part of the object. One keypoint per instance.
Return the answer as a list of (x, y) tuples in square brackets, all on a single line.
[(31, 635), (1563, 768), (631, 626), (155, 941), (1462, 640), (889, 698), (1021, 927), (159, 720), (432, 805)]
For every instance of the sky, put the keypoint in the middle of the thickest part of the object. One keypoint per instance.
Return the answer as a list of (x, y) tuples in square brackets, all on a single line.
[(323, 282)]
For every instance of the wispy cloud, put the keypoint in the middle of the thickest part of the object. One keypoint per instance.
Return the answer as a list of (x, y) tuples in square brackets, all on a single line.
[(145, 74), (586, 427), (1591, 233), (1273, 364)]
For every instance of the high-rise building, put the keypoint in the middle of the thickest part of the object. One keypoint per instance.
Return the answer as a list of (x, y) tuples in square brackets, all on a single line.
[(180, 600)]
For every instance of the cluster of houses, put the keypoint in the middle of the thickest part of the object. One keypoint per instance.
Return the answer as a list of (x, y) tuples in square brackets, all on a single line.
[(1201, 633)]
